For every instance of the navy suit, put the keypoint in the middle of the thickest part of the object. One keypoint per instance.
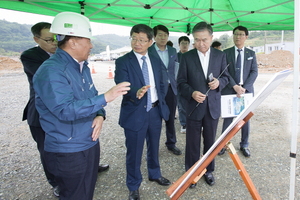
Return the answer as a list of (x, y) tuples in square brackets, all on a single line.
[(32, 59), (181, 102), (139, 124), (250, 73), (170, 92), (191, 78)]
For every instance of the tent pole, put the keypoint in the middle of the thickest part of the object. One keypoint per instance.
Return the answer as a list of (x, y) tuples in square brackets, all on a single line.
[(295, 115), (211, 20)]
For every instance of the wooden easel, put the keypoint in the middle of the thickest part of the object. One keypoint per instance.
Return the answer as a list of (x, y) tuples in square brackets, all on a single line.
[(195, 173)]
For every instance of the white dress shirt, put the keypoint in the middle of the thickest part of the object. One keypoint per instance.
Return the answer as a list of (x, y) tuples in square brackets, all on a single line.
[(152, 89), (204, 59)]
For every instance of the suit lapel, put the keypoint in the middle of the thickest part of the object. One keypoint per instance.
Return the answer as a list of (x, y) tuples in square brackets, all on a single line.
[(136, 67), (246, 56), (154, 52), (198, 63), (211, 62), (155, 70), (171, 56), (42, 54), (232, 56)]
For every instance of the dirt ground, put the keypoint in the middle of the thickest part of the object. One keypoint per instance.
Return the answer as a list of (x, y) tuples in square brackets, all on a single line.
[(21, 174), (274, 62)]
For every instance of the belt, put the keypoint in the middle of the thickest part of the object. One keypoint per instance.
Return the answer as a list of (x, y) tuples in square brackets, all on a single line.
[(155, 104)]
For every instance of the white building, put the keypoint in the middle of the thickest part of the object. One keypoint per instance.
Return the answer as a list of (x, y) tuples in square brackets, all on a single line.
[(288, 46)]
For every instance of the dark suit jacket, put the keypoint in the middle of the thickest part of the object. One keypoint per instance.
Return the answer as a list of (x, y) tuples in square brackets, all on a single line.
[(250, 70), (191, 78), (133, 110), (32, 59), (168, 72)]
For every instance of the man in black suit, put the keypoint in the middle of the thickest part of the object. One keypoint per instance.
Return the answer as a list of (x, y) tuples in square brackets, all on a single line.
[(31, 60), (203, 93), (168, 56), (184, 44), (243, 74), (142, 109)]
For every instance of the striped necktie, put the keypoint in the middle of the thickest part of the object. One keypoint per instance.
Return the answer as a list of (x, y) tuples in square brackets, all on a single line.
[(147, 82)]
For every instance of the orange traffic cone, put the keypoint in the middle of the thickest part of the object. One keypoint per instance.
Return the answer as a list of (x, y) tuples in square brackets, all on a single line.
[(93, 69), (110, 75)]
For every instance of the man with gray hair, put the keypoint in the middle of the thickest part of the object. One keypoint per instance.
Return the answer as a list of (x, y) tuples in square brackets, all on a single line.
[(198, 84)]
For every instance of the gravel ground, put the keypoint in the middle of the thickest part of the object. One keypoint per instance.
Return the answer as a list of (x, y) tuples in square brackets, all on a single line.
[(22, 177)]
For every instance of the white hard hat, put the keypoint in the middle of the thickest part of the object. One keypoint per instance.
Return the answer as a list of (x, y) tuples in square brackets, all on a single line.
[(72, 24)]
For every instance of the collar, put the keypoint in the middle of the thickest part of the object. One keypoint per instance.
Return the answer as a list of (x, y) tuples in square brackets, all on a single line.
[(157, 49), (139, 56), (206, 53), (235, 49)]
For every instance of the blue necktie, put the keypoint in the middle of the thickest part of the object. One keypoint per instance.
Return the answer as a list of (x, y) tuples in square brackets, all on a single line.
[(147, 82), (238, 66)]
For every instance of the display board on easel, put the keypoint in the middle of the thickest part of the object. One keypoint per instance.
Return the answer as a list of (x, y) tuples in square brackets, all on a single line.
[(177, 189)]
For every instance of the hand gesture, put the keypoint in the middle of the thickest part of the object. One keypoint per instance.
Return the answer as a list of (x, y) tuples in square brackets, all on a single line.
[(117, 90), (141, 92)]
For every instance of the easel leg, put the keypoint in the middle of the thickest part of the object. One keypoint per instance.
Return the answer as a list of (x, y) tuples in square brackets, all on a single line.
[(242, 171), (198, 177)]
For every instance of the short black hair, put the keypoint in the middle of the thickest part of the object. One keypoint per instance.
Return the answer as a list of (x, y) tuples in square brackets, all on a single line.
[(38, 27), (202, 26), (144, 29), (183, 38), (216, 44), (241, 28), (61, 44), (170, 43), (161, 28)]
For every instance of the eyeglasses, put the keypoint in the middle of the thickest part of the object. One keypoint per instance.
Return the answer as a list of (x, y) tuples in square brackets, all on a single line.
[(49, 41), (134, 40), (240, 35), (162, 35), (184, 43)]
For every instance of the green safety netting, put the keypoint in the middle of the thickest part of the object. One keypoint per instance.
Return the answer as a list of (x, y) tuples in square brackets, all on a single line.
[(177, 15)]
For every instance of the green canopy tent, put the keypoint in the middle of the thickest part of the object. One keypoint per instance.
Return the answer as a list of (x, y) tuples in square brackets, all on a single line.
[(181, 16), (178, 16)]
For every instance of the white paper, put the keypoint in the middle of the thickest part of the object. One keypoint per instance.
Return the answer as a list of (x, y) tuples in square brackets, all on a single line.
[(232, 106)]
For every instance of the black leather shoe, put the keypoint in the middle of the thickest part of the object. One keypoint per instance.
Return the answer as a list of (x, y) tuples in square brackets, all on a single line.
[(161, 181), (209, 178), (103, 167), (134, 195), (193, 185), (56, 191), (222, 151), (246, 152), (175, 150)]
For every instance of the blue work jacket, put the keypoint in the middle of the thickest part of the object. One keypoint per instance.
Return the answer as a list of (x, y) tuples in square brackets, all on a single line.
[(67, 102)]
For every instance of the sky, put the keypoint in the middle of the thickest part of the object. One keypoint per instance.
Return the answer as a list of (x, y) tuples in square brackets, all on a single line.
[(97, 28)]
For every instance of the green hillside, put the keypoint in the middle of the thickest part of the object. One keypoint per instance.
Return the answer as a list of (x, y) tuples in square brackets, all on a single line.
[(15, 38)]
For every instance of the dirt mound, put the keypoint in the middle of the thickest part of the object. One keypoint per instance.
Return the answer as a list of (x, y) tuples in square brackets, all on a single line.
[(10, 63), (275, 61)]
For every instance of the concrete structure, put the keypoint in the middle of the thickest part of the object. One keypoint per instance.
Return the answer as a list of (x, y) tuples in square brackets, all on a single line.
[(288, 46)]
